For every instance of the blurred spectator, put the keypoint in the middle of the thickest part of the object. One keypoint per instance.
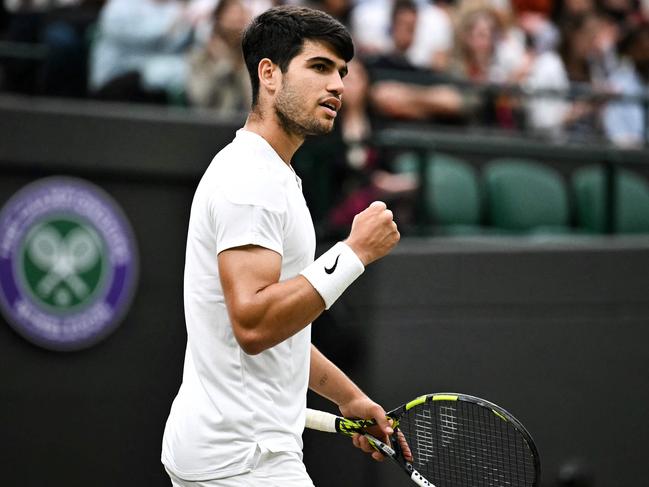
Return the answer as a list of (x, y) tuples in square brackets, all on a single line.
[(576, 69), (613, 17), (139, 52), (622, 12), (487, 53), (344, 172), (479, 30), (533, 17), (581, 51), (259, 6), (578, 47), (338, 9), (625, 123), (393, 95), (57, 29), (370, 23), (200, 14), (433, 38), (604, 57), (218, 78), (566, 9), (546, 115), (402, 27)]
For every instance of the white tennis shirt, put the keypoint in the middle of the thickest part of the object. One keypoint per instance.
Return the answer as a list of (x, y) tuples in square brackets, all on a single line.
[(230, 402)]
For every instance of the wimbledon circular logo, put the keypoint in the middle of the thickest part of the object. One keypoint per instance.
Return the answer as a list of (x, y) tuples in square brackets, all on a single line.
[(68, 263)]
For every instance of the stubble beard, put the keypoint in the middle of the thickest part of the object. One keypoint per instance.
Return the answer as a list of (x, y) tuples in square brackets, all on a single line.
[(290, 112)]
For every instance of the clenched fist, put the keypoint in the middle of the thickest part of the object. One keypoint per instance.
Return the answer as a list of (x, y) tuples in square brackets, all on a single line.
[(373, 233)]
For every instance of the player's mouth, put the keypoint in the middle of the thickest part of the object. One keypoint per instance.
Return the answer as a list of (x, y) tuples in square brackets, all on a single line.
[(331, 106)]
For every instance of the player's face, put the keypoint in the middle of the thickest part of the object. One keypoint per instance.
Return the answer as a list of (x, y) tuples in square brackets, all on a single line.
[(311, 92)]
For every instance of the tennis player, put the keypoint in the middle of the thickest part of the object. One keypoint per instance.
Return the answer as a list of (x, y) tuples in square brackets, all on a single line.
[(251, 285)]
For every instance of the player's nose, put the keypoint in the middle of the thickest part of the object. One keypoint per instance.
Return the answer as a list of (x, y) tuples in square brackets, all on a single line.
[(336, 84)]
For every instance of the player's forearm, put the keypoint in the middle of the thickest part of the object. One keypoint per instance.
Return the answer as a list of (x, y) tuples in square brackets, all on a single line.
[(330, 382)]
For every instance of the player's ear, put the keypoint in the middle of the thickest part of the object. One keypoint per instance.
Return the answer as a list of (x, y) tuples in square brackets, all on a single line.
[(269, 75)]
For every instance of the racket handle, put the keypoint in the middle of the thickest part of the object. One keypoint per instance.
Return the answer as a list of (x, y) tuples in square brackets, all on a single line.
[(419, 480), (321, 421)]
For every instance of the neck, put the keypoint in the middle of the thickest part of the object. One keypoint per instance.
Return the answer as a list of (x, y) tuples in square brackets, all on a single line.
[(267, 126)]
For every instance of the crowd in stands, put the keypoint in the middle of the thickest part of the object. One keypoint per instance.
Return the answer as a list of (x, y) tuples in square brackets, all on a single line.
[(553, 67), (574, 70)]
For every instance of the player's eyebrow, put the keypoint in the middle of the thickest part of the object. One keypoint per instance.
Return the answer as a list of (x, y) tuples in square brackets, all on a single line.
[(330, 63)]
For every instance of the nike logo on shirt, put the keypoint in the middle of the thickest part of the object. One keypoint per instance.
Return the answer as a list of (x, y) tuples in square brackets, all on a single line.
[(331, 269)]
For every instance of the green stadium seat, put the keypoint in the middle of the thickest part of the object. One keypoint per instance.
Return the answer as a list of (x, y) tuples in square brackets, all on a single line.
[(526, 196), (453, 197), (631, 203)]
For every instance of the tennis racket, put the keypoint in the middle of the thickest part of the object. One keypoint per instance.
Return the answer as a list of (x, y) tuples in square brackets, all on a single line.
[(456, 440)]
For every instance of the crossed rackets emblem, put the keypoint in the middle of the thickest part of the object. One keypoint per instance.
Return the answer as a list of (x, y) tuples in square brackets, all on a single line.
[(63, 259)]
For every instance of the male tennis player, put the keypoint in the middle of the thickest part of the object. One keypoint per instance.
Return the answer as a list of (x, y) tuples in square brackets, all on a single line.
[(251, 285)]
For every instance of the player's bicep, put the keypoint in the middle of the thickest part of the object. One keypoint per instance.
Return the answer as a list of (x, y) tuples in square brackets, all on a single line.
[(245, 272)]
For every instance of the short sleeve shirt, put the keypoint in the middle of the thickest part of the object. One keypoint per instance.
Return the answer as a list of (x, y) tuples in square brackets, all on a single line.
[(230, 402)]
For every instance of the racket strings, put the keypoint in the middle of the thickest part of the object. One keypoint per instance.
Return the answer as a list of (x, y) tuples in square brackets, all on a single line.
[(463, 444)]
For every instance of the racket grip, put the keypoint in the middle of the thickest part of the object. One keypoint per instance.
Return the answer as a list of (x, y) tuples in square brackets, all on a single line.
[(321, 421), (419, 480)]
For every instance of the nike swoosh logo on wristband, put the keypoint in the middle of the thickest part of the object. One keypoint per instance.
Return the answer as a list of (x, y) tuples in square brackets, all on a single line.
[(331, 269)]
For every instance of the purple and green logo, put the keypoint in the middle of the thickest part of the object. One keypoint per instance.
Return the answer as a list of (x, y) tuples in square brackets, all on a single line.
[(68, 263)]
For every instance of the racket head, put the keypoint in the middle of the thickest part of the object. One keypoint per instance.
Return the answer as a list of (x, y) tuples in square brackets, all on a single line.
[(458, 440)]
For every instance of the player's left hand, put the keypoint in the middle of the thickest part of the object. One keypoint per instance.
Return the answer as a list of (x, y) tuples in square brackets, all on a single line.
[(365, 408)]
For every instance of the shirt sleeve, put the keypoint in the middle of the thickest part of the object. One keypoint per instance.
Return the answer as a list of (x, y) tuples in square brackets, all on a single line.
[(247, 221)]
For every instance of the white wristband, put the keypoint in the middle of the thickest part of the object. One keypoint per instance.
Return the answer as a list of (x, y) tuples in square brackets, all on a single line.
[(333, 272)]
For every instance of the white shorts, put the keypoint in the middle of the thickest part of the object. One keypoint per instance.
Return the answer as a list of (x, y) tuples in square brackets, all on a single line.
[(283, 469)]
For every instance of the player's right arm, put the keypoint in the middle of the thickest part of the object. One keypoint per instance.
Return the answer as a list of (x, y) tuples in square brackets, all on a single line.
[(264, 311)]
